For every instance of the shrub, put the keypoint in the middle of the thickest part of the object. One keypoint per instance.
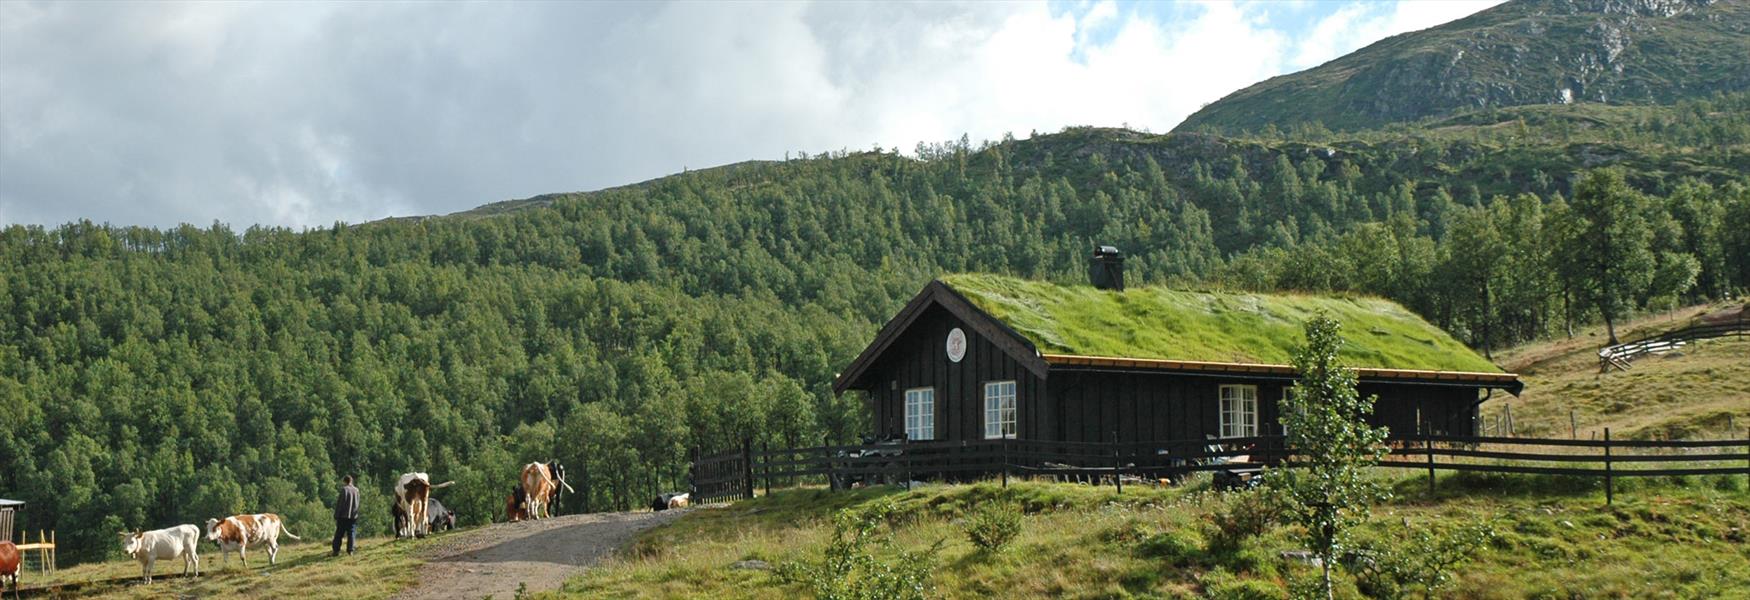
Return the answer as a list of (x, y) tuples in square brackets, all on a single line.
[(1425, 560), (1224, 586), (853, 566), (1175, 547), (1244, 515), (994, 525)]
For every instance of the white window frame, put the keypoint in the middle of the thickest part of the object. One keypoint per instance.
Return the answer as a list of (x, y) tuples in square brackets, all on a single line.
[(1238, 405), (999, 410), (920, 413)]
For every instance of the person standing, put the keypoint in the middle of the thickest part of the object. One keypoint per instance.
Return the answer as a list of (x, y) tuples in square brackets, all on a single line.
[(346, 516)]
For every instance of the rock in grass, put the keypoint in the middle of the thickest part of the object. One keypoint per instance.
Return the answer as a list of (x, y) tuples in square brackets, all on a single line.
[(750, 565)]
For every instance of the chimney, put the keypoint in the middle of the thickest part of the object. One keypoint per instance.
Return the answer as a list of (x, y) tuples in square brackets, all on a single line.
[(1106, 271)]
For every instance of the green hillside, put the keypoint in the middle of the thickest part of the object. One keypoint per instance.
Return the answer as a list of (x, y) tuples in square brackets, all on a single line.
[(1524, 52), (1158, 322), (1548, 538)]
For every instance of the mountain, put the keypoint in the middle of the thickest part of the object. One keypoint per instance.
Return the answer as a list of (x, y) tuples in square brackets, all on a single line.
[(1524, 52)]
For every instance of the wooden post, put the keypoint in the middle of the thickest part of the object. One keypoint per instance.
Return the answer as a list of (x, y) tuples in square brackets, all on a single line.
[(693, 478), (1747, 460), (832, 482), (765, 449), (747, 468), (1428, 444), (1609, 477), (1004, 444), (1117, 465), (1573, 425)]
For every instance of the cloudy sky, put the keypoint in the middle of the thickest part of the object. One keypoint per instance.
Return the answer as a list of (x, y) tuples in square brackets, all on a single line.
[(303, 114)]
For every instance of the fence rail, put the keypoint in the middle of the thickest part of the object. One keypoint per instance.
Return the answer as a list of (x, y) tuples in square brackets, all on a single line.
[(1622, 355), (737, 473)]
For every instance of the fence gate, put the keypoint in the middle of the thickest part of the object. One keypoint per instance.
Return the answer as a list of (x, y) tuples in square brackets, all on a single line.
[(722, 476)]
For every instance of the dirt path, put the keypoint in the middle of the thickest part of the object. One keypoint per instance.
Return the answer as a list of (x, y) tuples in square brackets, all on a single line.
[(493, 560)]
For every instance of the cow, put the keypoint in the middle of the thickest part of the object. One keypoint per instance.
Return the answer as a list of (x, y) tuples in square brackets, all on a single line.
[(670, 500), (181, 541), (11, 562), (515, 507), (441, 517), (239, 531), (411, 492), (438, 517), (541, 483)]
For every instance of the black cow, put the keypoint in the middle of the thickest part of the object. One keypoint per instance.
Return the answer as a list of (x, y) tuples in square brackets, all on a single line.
[(557, 472), (442, 519)]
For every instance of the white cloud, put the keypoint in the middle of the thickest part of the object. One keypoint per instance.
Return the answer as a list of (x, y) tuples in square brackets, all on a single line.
[(303, 114)]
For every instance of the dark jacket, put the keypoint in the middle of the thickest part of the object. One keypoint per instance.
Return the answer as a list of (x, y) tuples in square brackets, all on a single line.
[(347, 505)]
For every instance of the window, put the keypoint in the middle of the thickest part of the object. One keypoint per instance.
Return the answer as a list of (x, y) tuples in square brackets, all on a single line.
[(999, 410), (1239, 410), (920, 414)]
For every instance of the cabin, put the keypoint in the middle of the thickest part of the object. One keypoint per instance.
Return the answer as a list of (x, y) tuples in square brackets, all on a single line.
[(978, 357)]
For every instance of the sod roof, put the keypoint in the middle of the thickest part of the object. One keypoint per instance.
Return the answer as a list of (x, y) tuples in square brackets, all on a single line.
[(1162, 323)]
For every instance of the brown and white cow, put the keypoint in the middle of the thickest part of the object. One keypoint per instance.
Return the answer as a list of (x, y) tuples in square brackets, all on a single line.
[(541, 484), (181, 541), (238, 532), (411, 493), (11, 562)]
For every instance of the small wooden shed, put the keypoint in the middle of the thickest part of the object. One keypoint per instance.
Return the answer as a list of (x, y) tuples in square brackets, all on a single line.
[(985, 357)]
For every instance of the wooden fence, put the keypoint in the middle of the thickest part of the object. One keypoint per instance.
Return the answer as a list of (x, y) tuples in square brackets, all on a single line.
[(1621, 355), (738, 473)]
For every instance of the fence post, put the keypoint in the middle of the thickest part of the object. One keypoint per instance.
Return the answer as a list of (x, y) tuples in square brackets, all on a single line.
[(1004, 444), (1747, 456), (747, 468), (1573, 425), (1428, 444), (693, 478), (1609, 477), (832, 481), (1117, 465)]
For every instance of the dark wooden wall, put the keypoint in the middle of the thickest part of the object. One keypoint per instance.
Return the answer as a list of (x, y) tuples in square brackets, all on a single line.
[(919, 358), (1093, 406), (1090, 406)]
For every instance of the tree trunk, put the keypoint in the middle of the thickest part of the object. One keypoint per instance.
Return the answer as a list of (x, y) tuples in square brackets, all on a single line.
[(1567, 313), (1488, 323), (1327, 573), (1610, 327)]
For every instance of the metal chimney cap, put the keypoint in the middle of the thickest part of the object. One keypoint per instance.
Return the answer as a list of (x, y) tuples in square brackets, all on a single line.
[(1107, 251)]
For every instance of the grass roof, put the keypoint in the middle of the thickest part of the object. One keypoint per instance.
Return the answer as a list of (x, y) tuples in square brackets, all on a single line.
[(1156, 322)]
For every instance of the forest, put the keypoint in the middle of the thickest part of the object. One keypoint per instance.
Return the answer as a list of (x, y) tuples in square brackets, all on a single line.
[(151, 377)]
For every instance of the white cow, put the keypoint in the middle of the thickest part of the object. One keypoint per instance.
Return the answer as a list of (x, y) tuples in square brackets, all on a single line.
[(411, 493), (149, 546), (239, 531)]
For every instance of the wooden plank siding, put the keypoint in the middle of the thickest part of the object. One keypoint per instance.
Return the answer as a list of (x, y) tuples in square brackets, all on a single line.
[(1089, 402), (919, 358)]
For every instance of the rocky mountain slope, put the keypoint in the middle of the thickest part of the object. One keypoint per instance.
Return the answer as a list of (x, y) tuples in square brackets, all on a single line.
[(1524, 52)]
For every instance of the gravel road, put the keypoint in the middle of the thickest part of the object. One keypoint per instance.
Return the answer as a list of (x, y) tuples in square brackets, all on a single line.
[(493, 559)]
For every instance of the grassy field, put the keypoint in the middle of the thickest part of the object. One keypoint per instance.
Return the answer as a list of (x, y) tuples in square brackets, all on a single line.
[(1554, 539), (1701, 391), (381, 567)]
